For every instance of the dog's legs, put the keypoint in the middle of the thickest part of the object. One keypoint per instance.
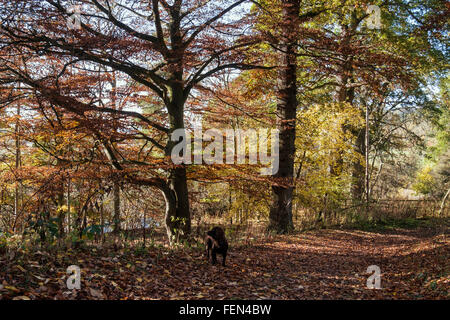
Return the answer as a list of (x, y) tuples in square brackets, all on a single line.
[(208, 246), (224, 258)]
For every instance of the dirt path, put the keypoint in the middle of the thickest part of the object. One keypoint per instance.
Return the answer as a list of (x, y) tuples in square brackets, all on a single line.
[(325, 264)]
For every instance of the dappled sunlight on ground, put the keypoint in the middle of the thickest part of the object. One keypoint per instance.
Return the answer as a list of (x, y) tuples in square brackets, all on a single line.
[(322, 264)]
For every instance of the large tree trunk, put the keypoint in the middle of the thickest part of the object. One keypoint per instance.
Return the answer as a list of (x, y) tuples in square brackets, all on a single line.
[(280, 217), (171, 213), (182, 218), (178, 218)]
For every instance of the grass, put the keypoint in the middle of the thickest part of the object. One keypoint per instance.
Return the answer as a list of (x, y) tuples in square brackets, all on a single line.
[(385, 224)]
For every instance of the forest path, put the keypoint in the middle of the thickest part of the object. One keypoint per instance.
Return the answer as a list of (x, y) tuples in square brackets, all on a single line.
[(322, 264)]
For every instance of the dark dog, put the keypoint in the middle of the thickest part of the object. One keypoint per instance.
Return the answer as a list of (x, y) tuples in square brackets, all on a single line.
[(216, 243)]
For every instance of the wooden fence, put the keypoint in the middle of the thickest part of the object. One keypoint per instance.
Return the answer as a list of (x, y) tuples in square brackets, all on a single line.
[(402, 208)]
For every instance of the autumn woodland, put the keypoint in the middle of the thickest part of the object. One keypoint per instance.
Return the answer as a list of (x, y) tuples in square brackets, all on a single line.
[(143, 141)]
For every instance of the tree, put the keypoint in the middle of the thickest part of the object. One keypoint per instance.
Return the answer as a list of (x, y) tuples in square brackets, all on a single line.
[(280, 23), (168, 49), (280, 217)]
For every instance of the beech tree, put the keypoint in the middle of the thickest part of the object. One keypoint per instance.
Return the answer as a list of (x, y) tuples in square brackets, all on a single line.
[(280, 23), (280, 217), (125, 74), (167, 47)]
